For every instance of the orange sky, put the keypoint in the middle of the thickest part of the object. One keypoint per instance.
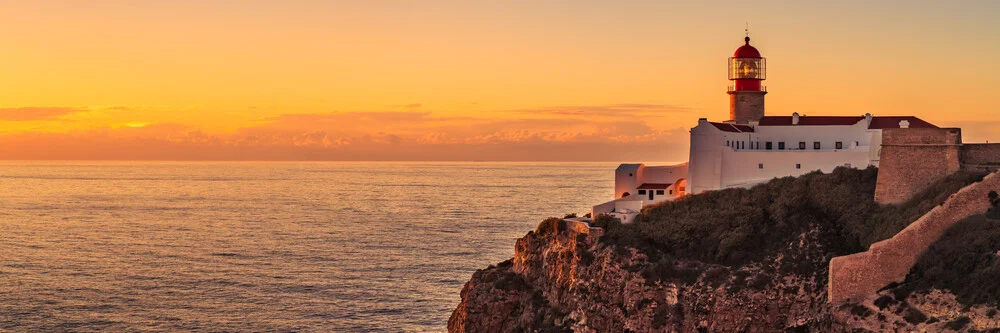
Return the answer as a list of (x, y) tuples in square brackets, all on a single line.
[(465, 80)]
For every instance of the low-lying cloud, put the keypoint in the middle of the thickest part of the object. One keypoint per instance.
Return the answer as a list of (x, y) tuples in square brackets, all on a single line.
[(598, 133), (35, 113)]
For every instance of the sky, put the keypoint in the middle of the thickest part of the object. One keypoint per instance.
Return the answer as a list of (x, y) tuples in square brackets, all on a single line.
[(468, 80)]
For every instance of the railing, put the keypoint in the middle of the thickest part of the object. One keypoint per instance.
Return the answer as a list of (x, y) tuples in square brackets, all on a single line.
[(733, 88)]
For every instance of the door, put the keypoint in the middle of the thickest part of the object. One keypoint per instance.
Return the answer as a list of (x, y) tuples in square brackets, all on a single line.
[(651, 194)]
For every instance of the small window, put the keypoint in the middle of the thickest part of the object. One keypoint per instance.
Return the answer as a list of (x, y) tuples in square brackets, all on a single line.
[(641, 192), (802, 145), (630, 174), (767, 145), (857, 143), (798, 166), (659, 192), (839, 145), (760, 165), (727, 143), (742, 98), (671, 192), (816, 145), (781, 145)]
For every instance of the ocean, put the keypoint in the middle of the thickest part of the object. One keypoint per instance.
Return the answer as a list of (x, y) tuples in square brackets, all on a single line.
[(265, 246)]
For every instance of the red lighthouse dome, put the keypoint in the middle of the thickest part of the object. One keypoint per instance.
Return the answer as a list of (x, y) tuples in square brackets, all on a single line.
[(746, 51), (746, 68)]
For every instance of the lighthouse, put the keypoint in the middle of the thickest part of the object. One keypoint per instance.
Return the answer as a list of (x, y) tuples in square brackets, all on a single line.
[(746, 94)]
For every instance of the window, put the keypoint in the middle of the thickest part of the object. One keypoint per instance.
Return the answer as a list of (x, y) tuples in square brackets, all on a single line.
[(659, 192), (630, 174), (767, 145), (798, 166), (641, 192), (815, 144), (802, 145), (839, 145), (742, 98), (671, 192), (781, 145), (857, 143), (760, 165), (727, 143)]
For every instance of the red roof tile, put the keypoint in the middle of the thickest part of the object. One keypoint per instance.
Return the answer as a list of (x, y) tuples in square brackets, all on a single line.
[(877, 122), (727, 127), (893, 122), (653, 186), (810, 120)]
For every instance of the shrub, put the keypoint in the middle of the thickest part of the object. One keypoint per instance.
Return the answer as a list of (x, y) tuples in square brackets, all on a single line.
[(551, 225), (958, 323), (570, 215), (963, 261), (606, 221), (738, 226)]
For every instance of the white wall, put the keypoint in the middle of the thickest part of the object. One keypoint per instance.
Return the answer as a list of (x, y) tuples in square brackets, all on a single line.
[(742, 168), (627, 178), (705, 161), (714, 165), (624, 210), (664, 174)]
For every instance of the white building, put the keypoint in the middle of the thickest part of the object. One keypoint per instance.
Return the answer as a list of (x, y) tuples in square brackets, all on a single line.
[(752, 148)]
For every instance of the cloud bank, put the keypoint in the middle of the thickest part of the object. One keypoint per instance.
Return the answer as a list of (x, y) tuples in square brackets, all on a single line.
[(622, 132)]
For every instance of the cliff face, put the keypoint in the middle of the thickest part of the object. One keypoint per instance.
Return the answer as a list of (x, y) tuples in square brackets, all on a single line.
[(567, 281), (742, 260)]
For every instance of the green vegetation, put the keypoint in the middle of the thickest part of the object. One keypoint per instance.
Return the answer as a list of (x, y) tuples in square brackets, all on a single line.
[(963, 261), (738, 226), (551, 225)]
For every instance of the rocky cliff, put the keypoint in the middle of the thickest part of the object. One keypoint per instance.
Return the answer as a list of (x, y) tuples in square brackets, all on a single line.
[(564, 278)]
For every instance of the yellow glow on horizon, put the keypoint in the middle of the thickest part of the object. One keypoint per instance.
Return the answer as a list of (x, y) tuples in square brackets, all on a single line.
[(455, 72)]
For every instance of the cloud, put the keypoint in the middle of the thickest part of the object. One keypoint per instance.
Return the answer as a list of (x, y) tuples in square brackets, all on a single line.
[(613, 110), (608, 132), (36, 113)]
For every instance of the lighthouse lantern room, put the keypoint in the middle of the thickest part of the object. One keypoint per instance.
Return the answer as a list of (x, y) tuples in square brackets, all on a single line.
[(746, 96)]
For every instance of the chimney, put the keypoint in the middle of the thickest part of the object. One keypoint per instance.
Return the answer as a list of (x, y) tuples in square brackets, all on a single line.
[(904, 124), (868, 119), (795, 118)]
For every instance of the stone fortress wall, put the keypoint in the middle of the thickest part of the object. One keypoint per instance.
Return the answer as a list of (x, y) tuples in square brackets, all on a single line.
[(858, 276), (910, 160), (980, 156)]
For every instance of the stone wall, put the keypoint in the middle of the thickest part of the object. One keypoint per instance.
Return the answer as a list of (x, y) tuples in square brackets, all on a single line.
[(746, 106), (860, 275), (980, 156), (912, 158)]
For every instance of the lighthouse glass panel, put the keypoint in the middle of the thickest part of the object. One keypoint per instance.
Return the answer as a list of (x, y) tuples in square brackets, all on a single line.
[(746, 68)]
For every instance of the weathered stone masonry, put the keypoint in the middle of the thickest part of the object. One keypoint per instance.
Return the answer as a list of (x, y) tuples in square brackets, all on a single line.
[(910, 160), (860, 275)]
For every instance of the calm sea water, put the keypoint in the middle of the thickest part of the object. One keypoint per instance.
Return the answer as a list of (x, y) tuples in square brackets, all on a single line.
[(344, 247)]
